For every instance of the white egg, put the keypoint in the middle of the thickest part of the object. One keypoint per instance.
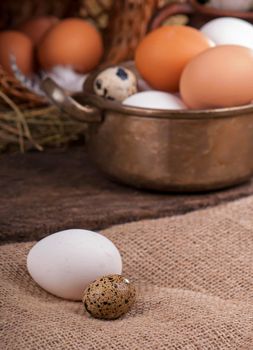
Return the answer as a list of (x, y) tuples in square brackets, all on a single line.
[(65, 262), (235, 5), (155, 99), (228, 30)]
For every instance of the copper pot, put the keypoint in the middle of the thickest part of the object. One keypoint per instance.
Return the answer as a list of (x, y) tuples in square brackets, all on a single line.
[(161, 150), (198, 14)]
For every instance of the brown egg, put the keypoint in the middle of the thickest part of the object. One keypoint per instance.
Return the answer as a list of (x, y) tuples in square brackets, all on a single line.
[(162, 55), (73, 42), (219, 77), (18, 44), (36, 28)]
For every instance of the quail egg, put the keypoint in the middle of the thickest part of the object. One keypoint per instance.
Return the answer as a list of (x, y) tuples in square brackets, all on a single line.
[(115, 83), (109, 297)]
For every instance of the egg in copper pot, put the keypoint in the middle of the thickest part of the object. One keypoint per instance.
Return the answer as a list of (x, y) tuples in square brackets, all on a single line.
[(162, 55), (219, 77), (229, 31)]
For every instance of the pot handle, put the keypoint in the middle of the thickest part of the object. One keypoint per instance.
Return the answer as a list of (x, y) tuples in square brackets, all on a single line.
[(69, 105), (170, 10)]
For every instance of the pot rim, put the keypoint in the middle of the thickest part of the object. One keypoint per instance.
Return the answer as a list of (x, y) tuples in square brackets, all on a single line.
[(206, 9), (217, 113)]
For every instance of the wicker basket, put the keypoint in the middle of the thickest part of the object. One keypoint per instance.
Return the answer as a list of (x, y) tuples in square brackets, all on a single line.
[(25, 118)]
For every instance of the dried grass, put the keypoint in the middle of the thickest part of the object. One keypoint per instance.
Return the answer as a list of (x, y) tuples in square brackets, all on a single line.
[(23, 128)]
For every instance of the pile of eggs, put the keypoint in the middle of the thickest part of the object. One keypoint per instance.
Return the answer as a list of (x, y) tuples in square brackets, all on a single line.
[(180, 67), (46, 42), (186, 68)]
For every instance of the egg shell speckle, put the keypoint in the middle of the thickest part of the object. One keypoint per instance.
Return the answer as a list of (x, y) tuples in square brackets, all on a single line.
[(109, 297)]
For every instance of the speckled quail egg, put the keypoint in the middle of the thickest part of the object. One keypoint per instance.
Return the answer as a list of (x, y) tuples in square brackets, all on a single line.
[(109, 297), (115, 83)]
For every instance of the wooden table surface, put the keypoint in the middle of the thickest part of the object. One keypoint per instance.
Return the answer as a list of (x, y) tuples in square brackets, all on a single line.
[(45, 192)]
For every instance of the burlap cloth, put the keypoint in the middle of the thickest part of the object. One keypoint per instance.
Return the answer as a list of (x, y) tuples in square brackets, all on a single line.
[(195, 279), (41, 193)]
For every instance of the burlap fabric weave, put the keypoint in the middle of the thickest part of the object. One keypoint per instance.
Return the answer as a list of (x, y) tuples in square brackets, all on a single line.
[(195, 280)]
